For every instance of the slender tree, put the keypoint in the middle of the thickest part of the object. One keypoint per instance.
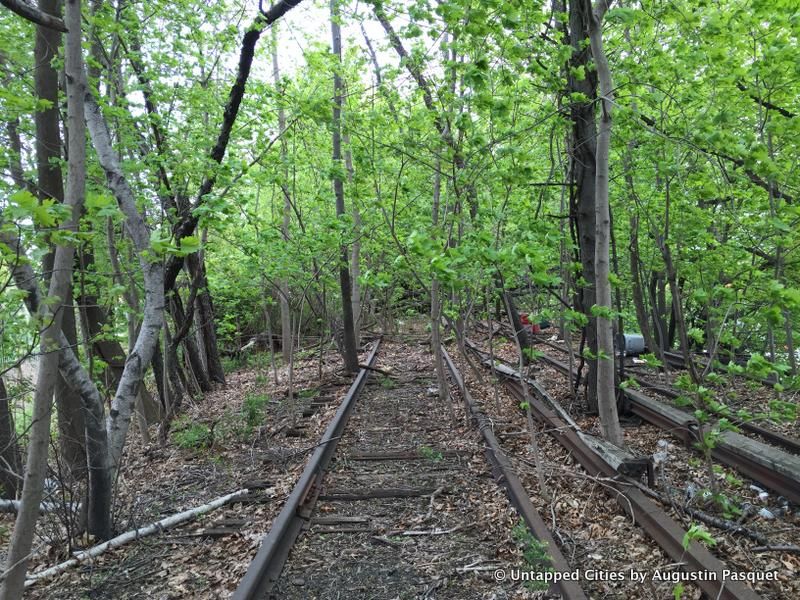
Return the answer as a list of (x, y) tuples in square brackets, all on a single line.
[(606, 394), (286, 215), (349, 350), (50, 315), (582, 88), (11, 466)]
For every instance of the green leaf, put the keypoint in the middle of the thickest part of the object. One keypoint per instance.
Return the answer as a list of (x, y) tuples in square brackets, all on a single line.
[(697, 533), (677, 591)]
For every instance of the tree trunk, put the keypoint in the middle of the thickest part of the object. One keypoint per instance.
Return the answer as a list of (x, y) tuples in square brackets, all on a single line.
[(520, 333), (200, 342), (51, 186), (48, 136), (436, 305), (39, 436), (11, 467), (606, 396), (69, 408), (283, 285), (110, 351), (73, 372), (636, 286), (189, 342), (658, 309), (787, 327), (677, 309), (355, 262), (153, 271), (350, 352), (583, 148), (205, 308)]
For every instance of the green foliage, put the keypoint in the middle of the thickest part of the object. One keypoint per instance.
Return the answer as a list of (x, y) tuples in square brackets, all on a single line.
[(602, 311), (431, 454), (630, 383), (651, 360), (236, 362), (534, 553), (696, 533), (532, 353), (253, 408), (191, 436), (677, 591), (700, 119)]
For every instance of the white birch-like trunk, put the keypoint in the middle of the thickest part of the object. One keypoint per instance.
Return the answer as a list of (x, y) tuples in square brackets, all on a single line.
[(153, 271), (606, 396), (136, 534), (50, 314)]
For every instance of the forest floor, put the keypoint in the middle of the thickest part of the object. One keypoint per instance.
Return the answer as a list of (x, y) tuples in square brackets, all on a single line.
[(236, 437), (241, 436), (591, 523)]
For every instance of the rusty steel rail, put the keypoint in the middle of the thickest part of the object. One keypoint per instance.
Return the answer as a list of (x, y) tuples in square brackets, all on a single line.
[(770, 466), (656, 523), (268, 562), (778, 439), (504, 474)]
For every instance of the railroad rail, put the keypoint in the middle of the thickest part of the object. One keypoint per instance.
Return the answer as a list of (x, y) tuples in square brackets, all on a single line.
[(364, 460), (773, 437), (655, 521), (772, 467), (505, 475), (266, 567), (677, 360)]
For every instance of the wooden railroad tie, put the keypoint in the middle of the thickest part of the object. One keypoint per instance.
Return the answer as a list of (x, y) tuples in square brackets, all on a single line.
[(369, 494)]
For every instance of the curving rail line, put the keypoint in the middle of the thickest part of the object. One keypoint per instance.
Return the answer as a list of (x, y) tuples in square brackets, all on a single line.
[(655, 521)]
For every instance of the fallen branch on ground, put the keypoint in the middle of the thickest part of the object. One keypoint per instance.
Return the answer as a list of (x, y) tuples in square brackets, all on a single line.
[(136, 534), (788, 548), (434, 531), (12, 506)]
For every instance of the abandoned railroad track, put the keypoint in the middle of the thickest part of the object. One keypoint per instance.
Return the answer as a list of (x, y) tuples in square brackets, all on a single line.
[(399, 502), (770, 435), (745, 547), (775, 465), (621, 471)]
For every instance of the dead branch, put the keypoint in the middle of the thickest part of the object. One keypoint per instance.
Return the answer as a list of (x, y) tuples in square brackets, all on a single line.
[(136, 534)]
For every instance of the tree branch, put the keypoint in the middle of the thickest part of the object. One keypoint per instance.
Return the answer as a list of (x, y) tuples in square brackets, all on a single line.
[(765, 103), (34, 15), (189, 221), (737, 162)]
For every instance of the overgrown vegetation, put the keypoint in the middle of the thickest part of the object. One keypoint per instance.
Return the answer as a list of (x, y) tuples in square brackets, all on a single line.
[(610, 168), (534, 553), (192, 436), (253, 409)]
